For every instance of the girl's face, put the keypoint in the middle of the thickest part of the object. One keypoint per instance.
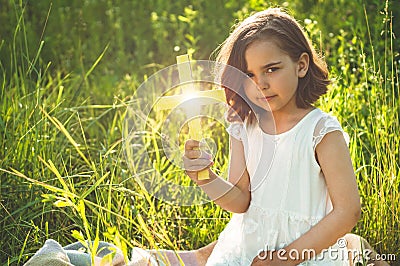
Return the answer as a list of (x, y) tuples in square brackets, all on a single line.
[(275, 77)]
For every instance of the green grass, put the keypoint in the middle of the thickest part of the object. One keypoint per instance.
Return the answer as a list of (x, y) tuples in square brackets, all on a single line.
[(64, 95)]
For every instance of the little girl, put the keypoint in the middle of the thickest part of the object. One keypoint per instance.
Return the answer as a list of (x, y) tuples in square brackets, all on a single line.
[(291, 184)]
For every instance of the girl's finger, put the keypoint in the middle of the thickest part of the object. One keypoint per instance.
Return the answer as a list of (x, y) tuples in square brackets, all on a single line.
[(198, 154), (197, 168), (196, 164), (192, 144), (193, 154)]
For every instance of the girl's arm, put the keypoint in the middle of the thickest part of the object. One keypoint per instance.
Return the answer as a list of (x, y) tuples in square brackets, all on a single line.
[(334, 159), (232, 195)]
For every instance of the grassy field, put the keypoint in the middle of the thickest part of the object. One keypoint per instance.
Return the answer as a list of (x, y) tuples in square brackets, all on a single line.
[(68, 70)]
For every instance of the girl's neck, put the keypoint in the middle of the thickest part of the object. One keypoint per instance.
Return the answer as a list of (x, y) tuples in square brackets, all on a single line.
[(277, 123)]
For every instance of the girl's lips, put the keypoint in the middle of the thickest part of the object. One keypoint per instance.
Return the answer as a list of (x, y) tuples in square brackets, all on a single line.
[(268, 97)]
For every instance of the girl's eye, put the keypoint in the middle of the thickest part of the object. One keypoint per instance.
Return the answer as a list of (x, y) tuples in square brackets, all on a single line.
[(250, 75), (272, 69)]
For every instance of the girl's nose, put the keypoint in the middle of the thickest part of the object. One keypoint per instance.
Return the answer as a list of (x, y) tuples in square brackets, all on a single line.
[(262, 82)]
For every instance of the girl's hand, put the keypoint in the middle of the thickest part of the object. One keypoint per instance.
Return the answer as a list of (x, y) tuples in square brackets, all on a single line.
[(195, 159)]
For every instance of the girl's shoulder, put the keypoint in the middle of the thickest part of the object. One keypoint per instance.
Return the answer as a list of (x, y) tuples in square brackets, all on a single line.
[(241, 130), (236, 130), (324, 124)]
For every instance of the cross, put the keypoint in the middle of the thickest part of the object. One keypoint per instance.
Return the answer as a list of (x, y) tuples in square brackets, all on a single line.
[(170, 102)]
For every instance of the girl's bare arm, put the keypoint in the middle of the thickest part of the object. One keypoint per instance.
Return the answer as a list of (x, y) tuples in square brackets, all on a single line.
[(232, 195)]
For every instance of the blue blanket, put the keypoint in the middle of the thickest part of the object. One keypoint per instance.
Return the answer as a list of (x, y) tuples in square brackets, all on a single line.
[(52, 253)]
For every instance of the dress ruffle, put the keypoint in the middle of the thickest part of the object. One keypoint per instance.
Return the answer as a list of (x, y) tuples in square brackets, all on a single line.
[(326, 125), (236, 130)]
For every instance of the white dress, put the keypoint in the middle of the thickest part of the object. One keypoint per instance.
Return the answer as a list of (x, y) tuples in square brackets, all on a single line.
[(289, 194)]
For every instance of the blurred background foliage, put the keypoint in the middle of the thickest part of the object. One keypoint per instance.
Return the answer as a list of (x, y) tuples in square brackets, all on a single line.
[(143, 36)]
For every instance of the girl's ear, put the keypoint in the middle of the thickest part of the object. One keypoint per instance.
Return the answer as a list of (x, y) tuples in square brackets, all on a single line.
[(303, 64)]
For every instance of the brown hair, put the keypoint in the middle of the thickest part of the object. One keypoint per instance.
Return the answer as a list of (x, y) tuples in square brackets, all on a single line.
[(277, 26)]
